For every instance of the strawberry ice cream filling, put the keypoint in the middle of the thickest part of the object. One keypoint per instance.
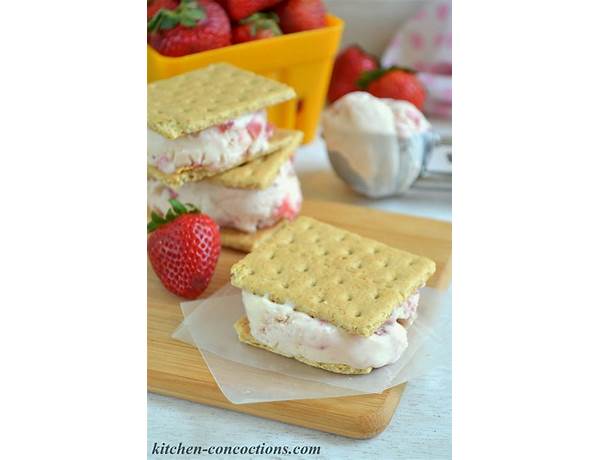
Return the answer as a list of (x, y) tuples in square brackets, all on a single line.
[(217, 148), (296, 334), (247, 210)]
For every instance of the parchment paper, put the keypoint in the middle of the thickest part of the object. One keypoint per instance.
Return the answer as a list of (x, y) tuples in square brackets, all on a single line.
[(247, 374)]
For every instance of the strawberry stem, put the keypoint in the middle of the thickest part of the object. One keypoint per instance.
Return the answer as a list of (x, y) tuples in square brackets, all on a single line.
[(177, 206), (188, 13), (368, 77), (177, 209), (262, 21)]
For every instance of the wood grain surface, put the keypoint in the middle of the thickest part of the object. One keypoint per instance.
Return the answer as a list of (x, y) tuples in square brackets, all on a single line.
[(177, 369)]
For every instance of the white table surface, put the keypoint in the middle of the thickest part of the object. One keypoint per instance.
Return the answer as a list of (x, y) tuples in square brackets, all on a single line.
[(421, 426)]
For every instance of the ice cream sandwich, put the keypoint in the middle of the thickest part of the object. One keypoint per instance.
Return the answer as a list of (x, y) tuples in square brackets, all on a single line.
[(247, 201), (210, 120), (328, 297)]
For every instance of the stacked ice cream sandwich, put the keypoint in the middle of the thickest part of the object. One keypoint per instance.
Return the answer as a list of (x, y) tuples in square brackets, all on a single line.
[(209, 144), (329, 298)]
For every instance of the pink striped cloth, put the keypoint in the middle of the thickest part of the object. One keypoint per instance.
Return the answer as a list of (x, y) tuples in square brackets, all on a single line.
[(424, 43)]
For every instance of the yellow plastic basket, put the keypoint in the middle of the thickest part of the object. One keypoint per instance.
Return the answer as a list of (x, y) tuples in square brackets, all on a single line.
[(303, 60)]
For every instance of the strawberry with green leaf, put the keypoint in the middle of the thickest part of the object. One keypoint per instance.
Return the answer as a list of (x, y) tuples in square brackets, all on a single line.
[(184, 247), (191, 27), (394, 83), (256, 27)]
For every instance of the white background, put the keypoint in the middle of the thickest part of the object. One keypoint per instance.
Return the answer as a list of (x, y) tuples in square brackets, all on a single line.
[(525, 373)]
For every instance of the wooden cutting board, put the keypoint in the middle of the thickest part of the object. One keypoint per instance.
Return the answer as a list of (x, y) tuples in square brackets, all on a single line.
[(177, 369)]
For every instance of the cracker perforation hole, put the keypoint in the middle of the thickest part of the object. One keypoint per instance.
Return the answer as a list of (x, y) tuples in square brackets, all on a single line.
[(358, 315)]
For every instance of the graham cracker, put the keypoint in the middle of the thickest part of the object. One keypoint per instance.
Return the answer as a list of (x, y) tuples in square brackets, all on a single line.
[(245, 242), (196, 100), (242, 327), (332, 274), (261, 172), (281, 138)]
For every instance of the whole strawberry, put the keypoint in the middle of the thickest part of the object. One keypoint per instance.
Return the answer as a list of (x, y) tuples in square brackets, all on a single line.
[(255, 27), (240, 9), (299, 15), (183, 248), (394, 83), (349, 66), (195, 25)]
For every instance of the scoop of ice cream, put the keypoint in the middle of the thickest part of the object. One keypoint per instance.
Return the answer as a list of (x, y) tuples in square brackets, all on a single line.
[(376, 145), (369, 114), (359, 126)]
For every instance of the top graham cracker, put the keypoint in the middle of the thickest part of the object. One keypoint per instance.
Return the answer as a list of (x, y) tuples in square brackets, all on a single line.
[(197, 100), (261, 172), (332, 274)]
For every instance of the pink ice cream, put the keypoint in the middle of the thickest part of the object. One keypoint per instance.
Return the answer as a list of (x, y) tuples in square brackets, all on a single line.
[(247, 210), (293, 333), (217, 148)]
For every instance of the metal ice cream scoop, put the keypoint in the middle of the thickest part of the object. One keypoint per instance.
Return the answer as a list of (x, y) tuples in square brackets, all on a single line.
[(379, 147), (390, 173)]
